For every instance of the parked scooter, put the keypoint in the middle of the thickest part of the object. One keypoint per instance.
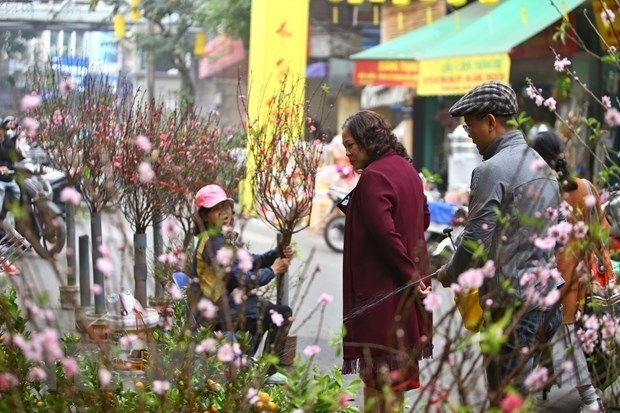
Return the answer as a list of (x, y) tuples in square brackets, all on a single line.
[(57, 179), (333, 233), (446, 220), (41, 225)]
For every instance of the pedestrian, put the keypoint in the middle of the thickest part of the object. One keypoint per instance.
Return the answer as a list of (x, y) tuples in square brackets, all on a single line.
[(385, 261), (8, 156), (514, 201), (229, 276), (10, 193), (567, 347)]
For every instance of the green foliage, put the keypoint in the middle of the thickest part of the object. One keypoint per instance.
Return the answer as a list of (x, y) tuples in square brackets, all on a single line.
[(11, 316), (229, 17), (522, 121), (197, 381), (433, 178), (314, 391)]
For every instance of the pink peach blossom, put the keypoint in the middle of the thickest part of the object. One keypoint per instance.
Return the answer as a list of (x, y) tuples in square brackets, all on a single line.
[(69, 194), (312, 350), (30, 102)]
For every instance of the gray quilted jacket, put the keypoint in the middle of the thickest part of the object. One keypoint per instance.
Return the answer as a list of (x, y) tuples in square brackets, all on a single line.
[(514, 182)]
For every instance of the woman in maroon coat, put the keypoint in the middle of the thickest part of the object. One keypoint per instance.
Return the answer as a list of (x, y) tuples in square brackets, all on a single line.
[(387, 328)]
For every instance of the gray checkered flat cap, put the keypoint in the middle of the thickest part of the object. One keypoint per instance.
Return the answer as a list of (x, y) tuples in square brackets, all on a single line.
[(492, 97)]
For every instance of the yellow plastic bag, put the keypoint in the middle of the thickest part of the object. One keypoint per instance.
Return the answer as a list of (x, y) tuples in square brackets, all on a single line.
[(469, 307)]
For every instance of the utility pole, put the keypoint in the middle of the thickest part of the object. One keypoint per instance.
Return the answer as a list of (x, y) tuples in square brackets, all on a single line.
[(157, 219)]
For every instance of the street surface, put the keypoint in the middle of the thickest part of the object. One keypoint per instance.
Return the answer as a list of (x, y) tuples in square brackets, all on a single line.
[(313, 253)]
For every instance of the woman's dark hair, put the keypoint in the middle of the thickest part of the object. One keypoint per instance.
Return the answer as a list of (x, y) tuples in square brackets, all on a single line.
[(372, 133), (551, 148)]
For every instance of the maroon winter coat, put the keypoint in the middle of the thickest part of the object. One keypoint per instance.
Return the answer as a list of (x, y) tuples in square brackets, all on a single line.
[(384, 249)]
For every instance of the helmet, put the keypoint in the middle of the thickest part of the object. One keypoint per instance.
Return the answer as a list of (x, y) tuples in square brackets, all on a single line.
[(209, 196), (8, 120)]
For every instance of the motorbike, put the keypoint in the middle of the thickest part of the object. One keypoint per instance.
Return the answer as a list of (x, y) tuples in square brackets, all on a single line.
[(447, 222), (40, 225), (56, 178), (333, 233)]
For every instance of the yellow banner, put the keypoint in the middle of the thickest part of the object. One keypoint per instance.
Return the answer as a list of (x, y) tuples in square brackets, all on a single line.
[(457, 75), (278, 49), (607, 24)]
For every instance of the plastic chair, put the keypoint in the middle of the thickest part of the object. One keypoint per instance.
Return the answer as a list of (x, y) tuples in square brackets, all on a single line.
[(181, 280)]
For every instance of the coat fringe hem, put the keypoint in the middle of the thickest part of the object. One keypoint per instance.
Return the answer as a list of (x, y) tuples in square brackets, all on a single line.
[(357, 365)]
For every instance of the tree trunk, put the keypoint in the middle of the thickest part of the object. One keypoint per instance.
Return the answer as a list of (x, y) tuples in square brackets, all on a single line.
[(96, 238), (140, 270)]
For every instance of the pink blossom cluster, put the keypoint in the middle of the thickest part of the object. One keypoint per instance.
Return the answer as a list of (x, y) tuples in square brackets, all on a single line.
[(607, 16), (42, 346), (473, 278), (537, 379), (176, 258), (537, 97), (207, 309), (599, 332), (532, 282), (312, 350)]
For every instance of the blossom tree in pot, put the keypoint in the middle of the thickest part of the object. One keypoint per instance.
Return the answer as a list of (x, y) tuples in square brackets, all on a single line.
[(285, 152), (139, 156), (197, 153)]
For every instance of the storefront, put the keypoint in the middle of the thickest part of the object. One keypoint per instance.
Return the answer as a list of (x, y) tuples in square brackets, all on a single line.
[(443, 60)]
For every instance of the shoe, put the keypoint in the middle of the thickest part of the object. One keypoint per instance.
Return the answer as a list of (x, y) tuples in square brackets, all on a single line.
[(8, 268), (276, 378), (597, 406)]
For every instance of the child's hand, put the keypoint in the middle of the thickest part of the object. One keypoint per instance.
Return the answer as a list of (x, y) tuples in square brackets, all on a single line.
[(280, 266), (288, 252)]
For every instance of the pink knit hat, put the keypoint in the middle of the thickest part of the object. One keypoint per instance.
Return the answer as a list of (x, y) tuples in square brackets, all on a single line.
[(209, 196)]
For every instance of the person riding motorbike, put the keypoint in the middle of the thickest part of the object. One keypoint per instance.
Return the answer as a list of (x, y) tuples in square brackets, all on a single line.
[(8, 186)]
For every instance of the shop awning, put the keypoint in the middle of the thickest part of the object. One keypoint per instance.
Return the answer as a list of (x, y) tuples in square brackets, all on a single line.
[(221, 52), (464, 48)]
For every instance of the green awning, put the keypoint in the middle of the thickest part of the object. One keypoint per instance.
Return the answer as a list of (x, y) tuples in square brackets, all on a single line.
[(474, 30)]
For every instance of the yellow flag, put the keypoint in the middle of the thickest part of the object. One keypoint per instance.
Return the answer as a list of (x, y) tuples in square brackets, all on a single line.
[(134, 10), (119, 25), (278, 50), (200, 41)]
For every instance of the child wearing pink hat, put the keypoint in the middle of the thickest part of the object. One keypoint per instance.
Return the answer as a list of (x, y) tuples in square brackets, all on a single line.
[(229, 276)]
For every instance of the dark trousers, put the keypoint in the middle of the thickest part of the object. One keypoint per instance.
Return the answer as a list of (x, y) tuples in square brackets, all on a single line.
[(276, 336), (511, 366)]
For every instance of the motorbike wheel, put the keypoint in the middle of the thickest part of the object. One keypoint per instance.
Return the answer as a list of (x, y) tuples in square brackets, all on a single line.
[(46, 234), (53, 244), (334, 233), (24, 227)]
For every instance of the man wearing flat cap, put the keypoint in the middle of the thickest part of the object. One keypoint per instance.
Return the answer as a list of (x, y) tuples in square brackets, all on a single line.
[(513, 202)]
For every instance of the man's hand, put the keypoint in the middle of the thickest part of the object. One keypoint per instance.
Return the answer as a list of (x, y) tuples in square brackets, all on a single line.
[(441, 276), (280, 266), (4, 170)]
